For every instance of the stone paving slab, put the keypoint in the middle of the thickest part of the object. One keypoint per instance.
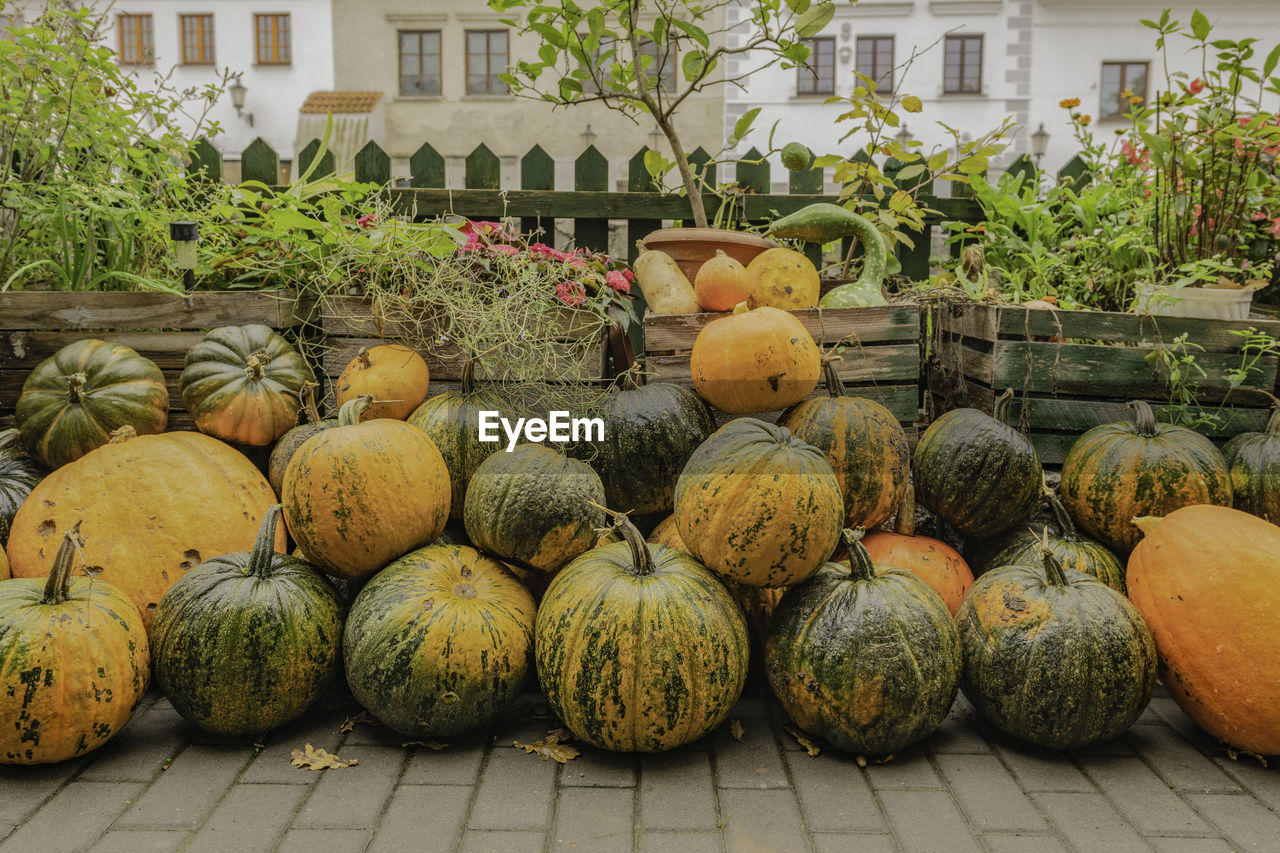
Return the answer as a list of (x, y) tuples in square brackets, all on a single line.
[(164, 786)]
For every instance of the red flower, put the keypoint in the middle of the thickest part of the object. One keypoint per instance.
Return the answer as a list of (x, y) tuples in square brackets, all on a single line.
[(628, 275), (1274, 231), (617, 281), (1196, 87), (368, 220), (504, 249), (571, 292)]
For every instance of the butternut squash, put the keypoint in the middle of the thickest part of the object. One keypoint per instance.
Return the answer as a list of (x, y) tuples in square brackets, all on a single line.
[(666, 289)]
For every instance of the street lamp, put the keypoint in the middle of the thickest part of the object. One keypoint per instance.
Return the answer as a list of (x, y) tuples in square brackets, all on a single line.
[(238, 90), (655, 137), (185, 234), (588, 137), (1039, 143), (903, 136)]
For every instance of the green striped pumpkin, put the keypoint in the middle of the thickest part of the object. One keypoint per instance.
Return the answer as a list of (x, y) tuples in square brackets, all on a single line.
[(73, 400), (245, 642), (977, 473), (18, 476), (1120, 471), (864, 443), (650, 431), (639, 648), (439, 642), (1054, 656), (533, 506), (1253, 460), (865, 657)]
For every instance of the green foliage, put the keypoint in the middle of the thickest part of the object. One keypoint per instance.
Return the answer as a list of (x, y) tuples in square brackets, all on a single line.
[(1177, 362)]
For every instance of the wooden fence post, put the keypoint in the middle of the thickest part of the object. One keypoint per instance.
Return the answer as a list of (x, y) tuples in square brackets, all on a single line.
[(373, 165), (591, 174), (538, 172), (639, 181), (308, 155), (259, 162)]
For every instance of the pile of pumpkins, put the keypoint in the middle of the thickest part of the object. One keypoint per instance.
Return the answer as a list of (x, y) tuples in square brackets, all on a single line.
[(440, 573)]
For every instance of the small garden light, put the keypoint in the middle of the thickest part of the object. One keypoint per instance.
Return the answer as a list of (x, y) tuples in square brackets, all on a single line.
[(588, 137), (185, 235), (238, 90), (1039, 143)]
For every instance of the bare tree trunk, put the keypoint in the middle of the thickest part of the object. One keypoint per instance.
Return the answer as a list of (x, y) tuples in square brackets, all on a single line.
[(692, 185)]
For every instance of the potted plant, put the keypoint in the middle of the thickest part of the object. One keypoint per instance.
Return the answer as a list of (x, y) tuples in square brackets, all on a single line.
[(622, 55)]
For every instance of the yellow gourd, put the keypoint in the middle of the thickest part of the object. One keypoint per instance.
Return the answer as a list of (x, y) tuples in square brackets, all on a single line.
[(721, 283), (665, 288), (782, 278)]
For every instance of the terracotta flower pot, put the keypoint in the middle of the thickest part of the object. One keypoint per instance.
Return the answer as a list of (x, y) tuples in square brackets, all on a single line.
[(691, 247)]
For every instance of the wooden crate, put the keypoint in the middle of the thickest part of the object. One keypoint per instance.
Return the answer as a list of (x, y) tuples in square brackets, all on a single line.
[(1085, 380), (348, 325), (882, 360), (36, 324)]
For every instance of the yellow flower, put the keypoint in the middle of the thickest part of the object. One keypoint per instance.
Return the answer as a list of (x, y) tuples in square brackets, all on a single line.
[(1135, 100), (1069, 103), (1127, 93), (1085, 119)]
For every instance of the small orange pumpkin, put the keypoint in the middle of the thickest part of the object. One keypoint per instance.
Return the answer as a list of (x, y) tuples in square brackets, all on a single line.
[(721, 283), (755, 360), (932, 560), (396, 377)]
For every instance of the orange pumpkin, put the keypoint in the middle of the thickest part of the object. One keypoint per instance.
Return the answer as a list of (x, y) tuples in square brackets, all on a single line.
[(4, 565), (755, 360), (666, 533), (359, 495), (933, 561), (153, 506), (721, 283), (396, 377), (1207, 580)]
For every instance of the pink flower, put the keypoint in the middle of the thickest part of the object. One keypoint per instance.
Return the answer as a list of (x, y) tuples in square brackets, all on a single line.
[(617, 281), (628, 275), (504, 249), (1274, 231), (368, 220), (1196, 87), (485, 228), (571, 292)]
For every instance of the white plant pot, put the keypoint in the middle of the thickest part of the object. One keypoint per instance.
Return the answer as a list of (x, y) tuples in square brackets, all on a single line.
[(1207, 303)]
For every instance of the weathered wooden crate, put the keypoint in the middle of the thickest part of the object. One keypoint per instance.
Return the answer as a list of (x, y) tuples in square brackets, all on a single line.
[(1073, 370), (162, 327), (348, 324), (882, 360)]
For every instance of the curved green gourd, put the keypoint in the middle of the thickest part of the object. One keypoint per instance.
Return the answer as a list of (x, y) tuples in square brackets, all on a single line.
[(823, 222)]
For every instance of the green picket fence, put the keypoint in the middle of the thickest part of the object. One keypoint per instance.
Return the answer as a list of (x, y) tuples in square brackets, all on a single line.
[(591, 205)]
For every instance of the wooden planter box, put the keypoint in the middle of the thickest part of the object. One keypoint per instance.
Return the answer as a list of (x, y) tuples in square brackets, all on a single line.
[(348, 325), (36, 324), (1087, 378), (882, 360)]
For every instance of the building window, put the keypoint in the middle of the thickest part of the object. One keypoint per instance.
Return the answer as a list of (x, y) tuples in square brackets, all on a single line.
[(875, 61), (962, 72), (486, 59), (197, 39), (137, 39), (420, 62), (274, 39), (662, 65), (1121, 81), (818, 77)]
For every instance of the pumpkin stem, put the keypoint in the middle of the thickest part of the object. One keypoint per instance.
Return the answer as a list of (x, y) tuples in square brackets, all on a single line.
[(123, 433), (861, 568), (1061, 517), (1002, 406), (75, 387), (349, 414), (255, 366), (741, 308), (1144, 419), (1053, 570), (468, 376), (1273, 422), (641, 559), (58, 588), (1147, 523), (307, 396), (264, 547), (904, 523), (835, 387)]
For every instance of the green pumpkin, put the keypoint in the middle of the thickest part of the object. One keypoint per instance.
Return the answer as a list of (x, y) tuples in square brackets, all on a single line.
[(640, 648), (452, 419), (19, 474), (245, 642), (243, 384), (288, 443), (73, 400), (977, 473), (439, 642), (865, 657), (1054, 656), (1019, 547), (534, 506), (864, 443), (1253, 460), (1117, 472)]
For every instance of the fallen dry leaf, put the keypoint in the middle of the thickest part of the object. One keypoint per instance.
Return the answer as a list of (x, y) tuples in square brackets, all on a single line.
[(431, 744), (861, 761), (350, 723), (735, 729), (551, 747), (886, 759), (318, 759), (801, 738)]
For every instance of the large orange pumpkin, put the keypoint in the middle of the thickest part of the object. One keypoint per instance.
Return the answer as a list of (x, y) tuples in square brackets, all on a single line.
[(754, 361), (933, 561), (359, 495), (395, 375), (1207, 580), (154, 507)]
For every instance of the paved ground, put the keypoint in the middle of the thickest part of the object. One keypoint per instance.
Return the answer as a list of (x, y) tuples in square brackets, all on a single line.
[(162, 785)]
